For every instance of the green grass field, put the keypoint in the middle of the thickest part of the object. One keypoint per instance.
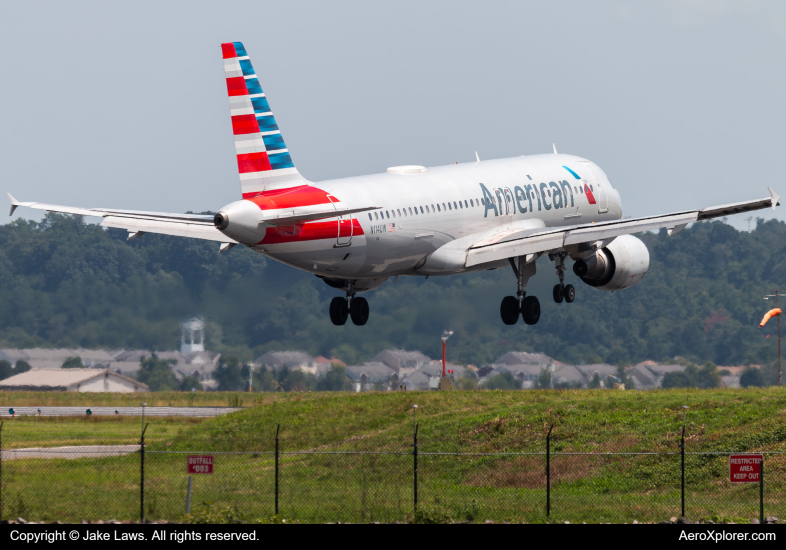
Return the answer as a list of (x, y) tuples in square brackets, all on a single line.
[(379, 487)]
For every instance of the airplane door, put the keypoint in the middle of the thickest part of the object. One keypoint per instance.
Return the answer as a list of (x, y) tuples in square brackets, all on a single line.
[(344, 227), (601, 194)]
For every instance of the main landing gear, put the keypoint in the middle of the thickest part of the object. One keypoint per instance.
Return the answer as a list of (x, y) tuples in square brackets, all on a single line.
[(356, 308), (527, 306), (562, 291)]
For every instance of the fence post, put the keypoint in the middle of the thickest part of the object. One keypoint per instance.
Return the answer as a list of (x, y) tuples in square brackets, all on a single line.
[(142, 476), (548, 471), (682, 477), (278, 427), (415, 455), (1, 471), (761, 491)]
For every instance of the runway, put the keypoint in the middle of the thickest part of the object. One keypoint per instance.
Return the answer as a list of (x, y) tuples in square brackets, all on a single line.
[(82, 451), (118, 411)]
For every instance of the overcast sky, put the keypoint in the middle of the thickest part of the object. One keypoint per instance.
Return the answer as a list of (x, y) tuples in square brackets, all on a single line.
[(109, 104)]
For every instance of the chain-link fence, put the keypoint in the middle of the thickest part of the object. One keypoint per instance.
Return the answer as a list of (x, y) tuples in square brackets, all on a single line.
[(124, 482)]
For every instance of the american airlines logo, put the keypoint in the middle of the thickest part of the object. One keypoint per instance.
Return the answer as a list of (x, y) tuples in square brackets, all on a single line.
[(385, 228), (504, 201)]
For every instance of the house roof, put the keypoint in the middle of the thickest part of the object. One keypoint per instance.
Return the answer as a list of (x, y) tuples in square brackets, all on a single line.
[(398, 358), (526, 370), (55, 378), (374, 371), (568, 373), (601, 369)]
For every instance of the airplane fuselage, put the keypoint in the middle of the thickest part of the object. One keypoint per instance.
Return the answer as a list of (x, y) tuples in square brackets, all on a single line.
[(421, 211)]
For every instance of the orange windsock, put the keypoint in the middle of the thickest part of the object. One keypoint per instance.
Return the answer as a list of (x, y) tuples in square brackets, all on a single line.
[(771, 313)]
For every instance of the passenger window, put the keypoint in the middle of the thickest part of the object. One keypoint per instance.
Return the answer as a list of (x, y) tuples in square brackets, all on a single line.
[(592, 189), (454, 204), (465, 204), (439, 209), (443, 206), (410, 211), (421, 210), (461, 205), (450, 207), (432, 208), (387, 214), (399, 213), (369, 217), (471, 203), (375, 216)]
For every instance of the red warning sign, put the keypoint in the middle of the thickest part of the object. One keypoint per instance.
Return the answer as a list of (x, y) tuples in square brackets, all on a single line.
[(200, 464), (745, 468)]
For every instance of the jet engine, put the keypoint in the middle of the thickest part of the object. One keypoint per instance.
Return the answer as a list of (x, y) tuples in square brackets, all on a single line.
[(619, 265)]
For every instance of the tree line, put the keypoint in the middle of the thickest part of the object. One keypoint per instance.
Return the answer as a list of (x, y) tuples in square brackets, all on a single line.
[(70, 284)]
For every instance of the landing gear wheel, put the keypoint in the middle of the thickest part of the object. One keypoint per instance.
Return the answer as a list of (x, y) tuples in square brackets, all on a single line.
[(530, 310), (558, 293), (359, 311), (509, 310), (570, 293), (339, 311)]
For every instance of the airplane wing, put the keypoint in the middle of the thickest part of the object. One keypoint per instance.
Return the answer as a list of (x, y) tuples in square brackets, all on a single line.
[(513, 243), (196, 226)]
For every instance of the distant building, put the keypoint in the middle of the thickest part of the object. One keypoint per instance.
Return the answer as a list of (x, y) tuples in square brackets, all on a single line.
[(294, 360), (403, 362), (363, 377), (75, 380), (540, 360)]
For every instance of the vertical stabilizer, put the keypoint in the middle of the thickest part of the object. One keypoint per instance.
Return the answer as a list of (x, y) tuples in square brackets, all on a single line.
[(263, 160)]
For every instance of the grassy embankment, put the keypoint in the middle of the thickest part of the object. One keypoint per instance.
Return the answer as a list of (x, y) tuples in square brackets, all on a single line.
[(379, 487)]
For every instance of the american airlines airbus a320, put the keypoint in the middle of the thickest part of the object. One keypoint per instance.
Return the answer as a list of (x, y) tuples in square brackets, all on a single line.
[(355, 233)]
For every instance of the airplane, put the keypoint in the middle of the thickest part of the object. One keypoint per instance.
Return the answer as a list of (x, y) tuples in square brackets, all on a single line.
[(355, 233)]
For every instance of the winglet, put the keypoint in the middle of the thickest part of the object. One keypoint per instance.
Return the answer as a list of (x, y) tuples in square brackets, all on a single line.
[(555, 148), (773, 194), (477, 157), (14, 204)]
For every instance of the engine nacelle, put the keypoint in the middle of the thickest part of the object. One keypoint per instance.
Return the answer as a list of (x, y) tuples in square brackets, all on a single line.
[(620, 265)]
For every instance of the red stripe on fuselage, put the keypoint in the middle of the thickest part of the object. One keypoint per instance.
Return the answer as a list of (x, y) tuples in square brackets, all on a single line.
[(244, 124), (252, 162), (590, 196), (228, 50), (311, 231), (293, 197), (236, 85)]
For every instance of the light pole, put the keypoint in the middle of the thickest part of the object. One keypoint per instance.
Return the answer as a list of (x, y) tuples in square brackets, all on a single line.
[(445, 335), (777, 305)]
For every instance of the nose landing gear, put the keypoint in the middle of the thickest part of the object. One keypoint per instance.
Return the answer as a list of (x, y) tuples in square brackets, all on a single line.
[(562, 291), (352, 307)]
